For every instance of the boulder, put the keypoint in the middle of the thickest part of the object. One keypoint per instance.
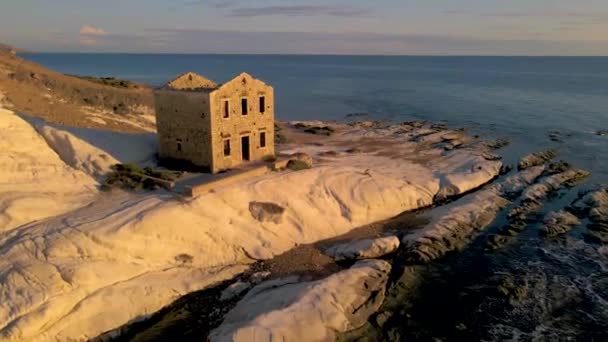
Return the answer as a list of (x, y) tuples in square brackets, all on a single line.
[(307, 311), (266, 211), (364, 249)]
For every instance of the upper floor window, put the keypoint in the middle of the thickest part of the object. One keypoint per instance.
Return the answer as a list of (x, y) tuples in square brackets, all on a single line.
[(244, 109), (226, 109), (262, 104)]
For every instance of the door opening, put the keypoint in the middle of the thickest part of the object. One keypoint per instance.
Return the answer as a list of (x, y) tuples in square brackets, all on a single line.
[(245, 147)]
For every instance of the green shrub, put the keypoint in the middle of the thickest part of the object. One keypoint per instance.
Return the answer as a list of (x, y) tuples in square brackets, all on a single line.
[(269, 158), (297, 165), (132, 177), (325, 130)]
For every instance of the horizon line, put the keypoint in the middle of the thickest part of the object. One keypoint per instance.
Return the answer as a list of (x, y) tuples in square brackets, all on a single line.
[(299, 54)]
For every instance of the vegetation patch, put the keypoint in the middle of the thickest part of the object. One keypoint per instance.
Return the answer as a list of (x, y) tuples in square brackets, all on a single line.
[(325, 130), (320, 130), (111, 81), (133, 177), (297, 165), (269, 158)]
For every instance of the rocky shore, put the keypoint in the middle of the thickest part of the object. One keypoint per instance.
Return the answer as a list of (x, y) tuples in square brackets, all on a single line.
[(403, 260)]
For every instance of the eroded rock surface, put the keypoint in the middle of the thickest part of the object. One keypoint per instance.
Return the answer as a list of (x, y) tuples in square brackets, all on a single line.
[(454, 224), (552, 183), (537, 158), (310, 311), (532, 200), (595, 205), (558, 222), (364, 249)]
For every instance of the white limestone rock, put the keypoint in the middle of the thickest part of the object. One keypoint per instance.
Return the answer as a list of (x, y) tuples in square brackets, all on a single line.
[(77, 263), (364, 249), (452, 225), (234, 290), (313, 311), (552, 183)]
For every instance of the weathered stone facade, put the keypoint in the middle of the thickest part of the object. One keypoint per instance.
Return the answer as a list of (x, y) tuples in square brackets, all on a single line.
[(215, 127)]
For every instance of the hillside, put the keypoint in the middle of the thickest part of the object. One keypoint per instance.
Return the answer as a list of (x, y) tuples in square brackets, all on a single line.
[(75, 101), (5, 48)]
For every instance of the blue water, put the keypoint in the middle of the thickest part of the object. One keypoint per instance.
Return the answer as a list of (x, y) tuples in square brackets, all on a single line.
[(519, 97)]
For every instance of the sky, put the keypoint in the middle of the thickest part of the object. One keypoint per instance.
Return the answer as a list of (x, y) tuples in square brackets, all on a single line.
[(384, 27)]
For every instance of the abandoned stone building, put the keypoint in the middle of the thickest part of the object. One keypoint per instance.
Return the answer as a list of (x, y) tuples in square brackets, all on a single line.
[(214, 127)]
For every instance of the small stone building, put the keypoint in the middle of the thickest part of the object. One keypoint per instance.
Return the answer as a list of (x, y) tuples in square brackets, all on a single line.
[(214, 127)]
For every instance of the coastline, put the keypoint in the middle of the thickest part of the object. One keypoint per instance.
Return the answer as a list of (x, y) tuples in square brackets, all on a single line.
[(368, 172)]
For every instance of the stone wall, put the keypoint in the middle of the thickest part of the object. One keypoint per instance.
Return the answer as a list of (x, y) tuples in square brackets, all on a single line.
[(183, 123), (238, 125)]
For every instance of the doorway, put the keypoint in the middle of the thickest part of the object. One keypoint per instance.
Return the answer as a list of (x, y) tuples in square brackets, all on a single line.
[(245, 147)]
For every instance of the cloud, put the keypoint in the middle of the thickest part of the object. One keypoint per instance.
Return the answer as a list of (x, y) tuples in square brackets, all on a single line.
[(210, 41), (212, 3), (292, 11), (168, 40), (88, 30), (90, 35), (548, 14)]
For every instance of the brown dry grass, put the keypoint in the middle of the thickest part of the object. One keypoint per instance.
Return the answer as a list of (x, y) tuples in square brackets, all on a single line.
[(37, 91)]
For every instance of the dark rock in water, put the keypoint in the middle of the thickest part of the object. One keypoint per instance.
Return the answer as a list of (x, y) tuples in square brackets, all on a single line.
[(266, 211), (497, 241), (602, 132), (498, 143), (537, 158), (555, 136), (558, 136), (558, 222), (596, 237), (589, 199), (491, 156), (594, 203), (511, 290), (355, 115), (558, 167), (505, 169)]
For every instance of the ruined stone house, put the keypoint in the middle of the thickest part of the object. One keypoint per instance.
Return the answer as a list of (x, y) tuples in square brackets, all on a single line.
[(214, 127)]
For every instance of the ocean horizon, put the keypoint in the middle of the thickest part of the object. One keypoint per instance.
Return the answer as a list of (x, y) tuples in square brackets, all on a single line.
[(525, 99)]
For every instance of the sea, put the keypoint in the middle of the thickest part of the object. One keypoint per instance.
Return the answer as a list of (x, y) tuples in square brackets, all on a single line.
[(535, 102)]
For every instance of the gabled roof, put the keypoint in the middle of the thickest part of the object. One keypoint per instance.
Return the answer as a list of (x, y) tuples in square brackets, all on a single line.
[(191, 81), (244, 77)]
